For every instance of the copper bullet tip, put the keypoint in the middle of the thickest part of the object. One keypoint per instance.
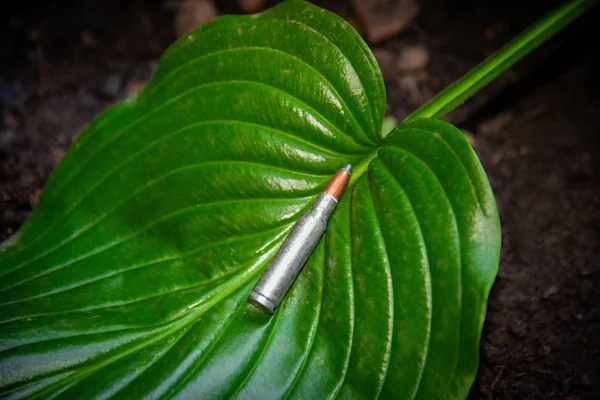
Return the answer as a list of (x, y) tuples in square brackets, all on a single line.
[(337, 184)]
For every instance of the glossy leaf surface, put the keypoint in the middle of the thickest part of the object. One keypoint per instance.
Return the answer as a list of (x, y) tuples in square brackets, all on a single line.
[(130, 278)]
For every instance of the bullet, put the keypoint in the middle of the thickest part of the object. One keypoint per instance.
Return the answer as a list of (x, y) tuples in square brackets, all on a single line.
[(298, 246)]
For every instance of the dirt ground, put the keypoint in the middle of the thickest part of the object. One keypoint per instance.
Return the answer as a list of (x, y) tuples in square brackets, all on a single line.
[(536, 129)]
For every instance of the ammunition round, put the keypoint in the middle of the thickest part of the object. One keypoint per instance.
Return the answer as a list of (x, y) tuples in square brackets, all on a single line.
[(298, 246)]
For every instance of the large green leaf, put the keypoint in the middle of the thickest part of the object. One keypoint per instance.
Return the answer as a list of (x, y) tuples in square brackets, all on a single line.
[(130, 278)]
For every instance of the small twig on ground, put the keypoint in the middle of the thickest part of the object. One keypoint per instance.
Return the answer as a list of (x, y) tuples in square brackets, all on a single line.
[(497, 378), (41, 67)]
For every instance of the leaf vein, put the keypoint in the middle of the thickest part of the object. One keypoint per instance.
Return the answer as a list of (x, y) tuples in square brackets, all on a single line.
[(209, 349), (352, 298), (178, 316), (136, 233), (390, 287), (266, 49), (452, 212), (147, 366), (140, 266), (458, 158), (82, 165), (311, 338), (260, 356), (358, 77), (427, 273), (131, 195)]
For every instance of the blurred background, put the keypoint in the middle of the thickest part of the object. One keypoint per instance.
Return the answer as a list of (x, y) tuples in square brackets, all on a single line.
[(536, 130)]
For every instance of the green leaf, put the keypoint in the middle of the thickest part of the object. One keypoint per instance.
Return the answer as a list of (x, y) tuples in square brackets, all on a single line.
[(131, 276), (388, 125)]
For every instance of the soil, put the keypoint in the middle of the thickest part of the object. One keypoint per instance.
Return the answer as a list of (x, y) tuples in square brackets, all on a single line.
[(536, 130)]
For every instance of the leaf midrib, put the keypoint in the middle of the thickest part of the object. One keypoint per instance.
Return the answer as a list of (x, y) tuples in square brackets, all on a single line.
[(359, 169)]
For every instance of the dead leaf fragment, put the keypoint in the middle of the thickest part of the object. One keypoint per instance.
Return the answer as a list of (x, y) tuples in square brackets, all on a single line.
[(412, 58), (383, 19), (252, 6), (193, 13)]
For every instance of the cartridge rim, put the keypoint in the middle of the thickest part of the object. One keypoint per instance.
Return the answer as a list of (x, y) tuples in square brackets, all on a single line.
[(262, 303)]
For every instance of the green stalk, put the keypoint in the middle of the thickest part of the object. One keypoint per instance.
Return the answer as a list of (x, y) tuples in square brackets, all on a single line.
[(457, 93)]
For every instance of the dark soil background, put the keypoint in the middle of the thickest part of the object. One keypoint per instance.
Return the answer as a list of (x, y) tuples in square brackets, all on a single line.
[(536, 130)]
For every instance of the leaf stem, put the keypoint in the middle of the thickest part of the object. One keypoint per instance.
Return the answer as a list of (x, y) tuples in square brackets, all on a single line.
[(497, 63), (359, 169)]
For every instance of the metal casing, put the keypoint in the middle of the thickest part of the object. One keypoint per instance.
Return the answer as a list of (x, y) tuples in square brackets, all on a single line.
[(293, 254)]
